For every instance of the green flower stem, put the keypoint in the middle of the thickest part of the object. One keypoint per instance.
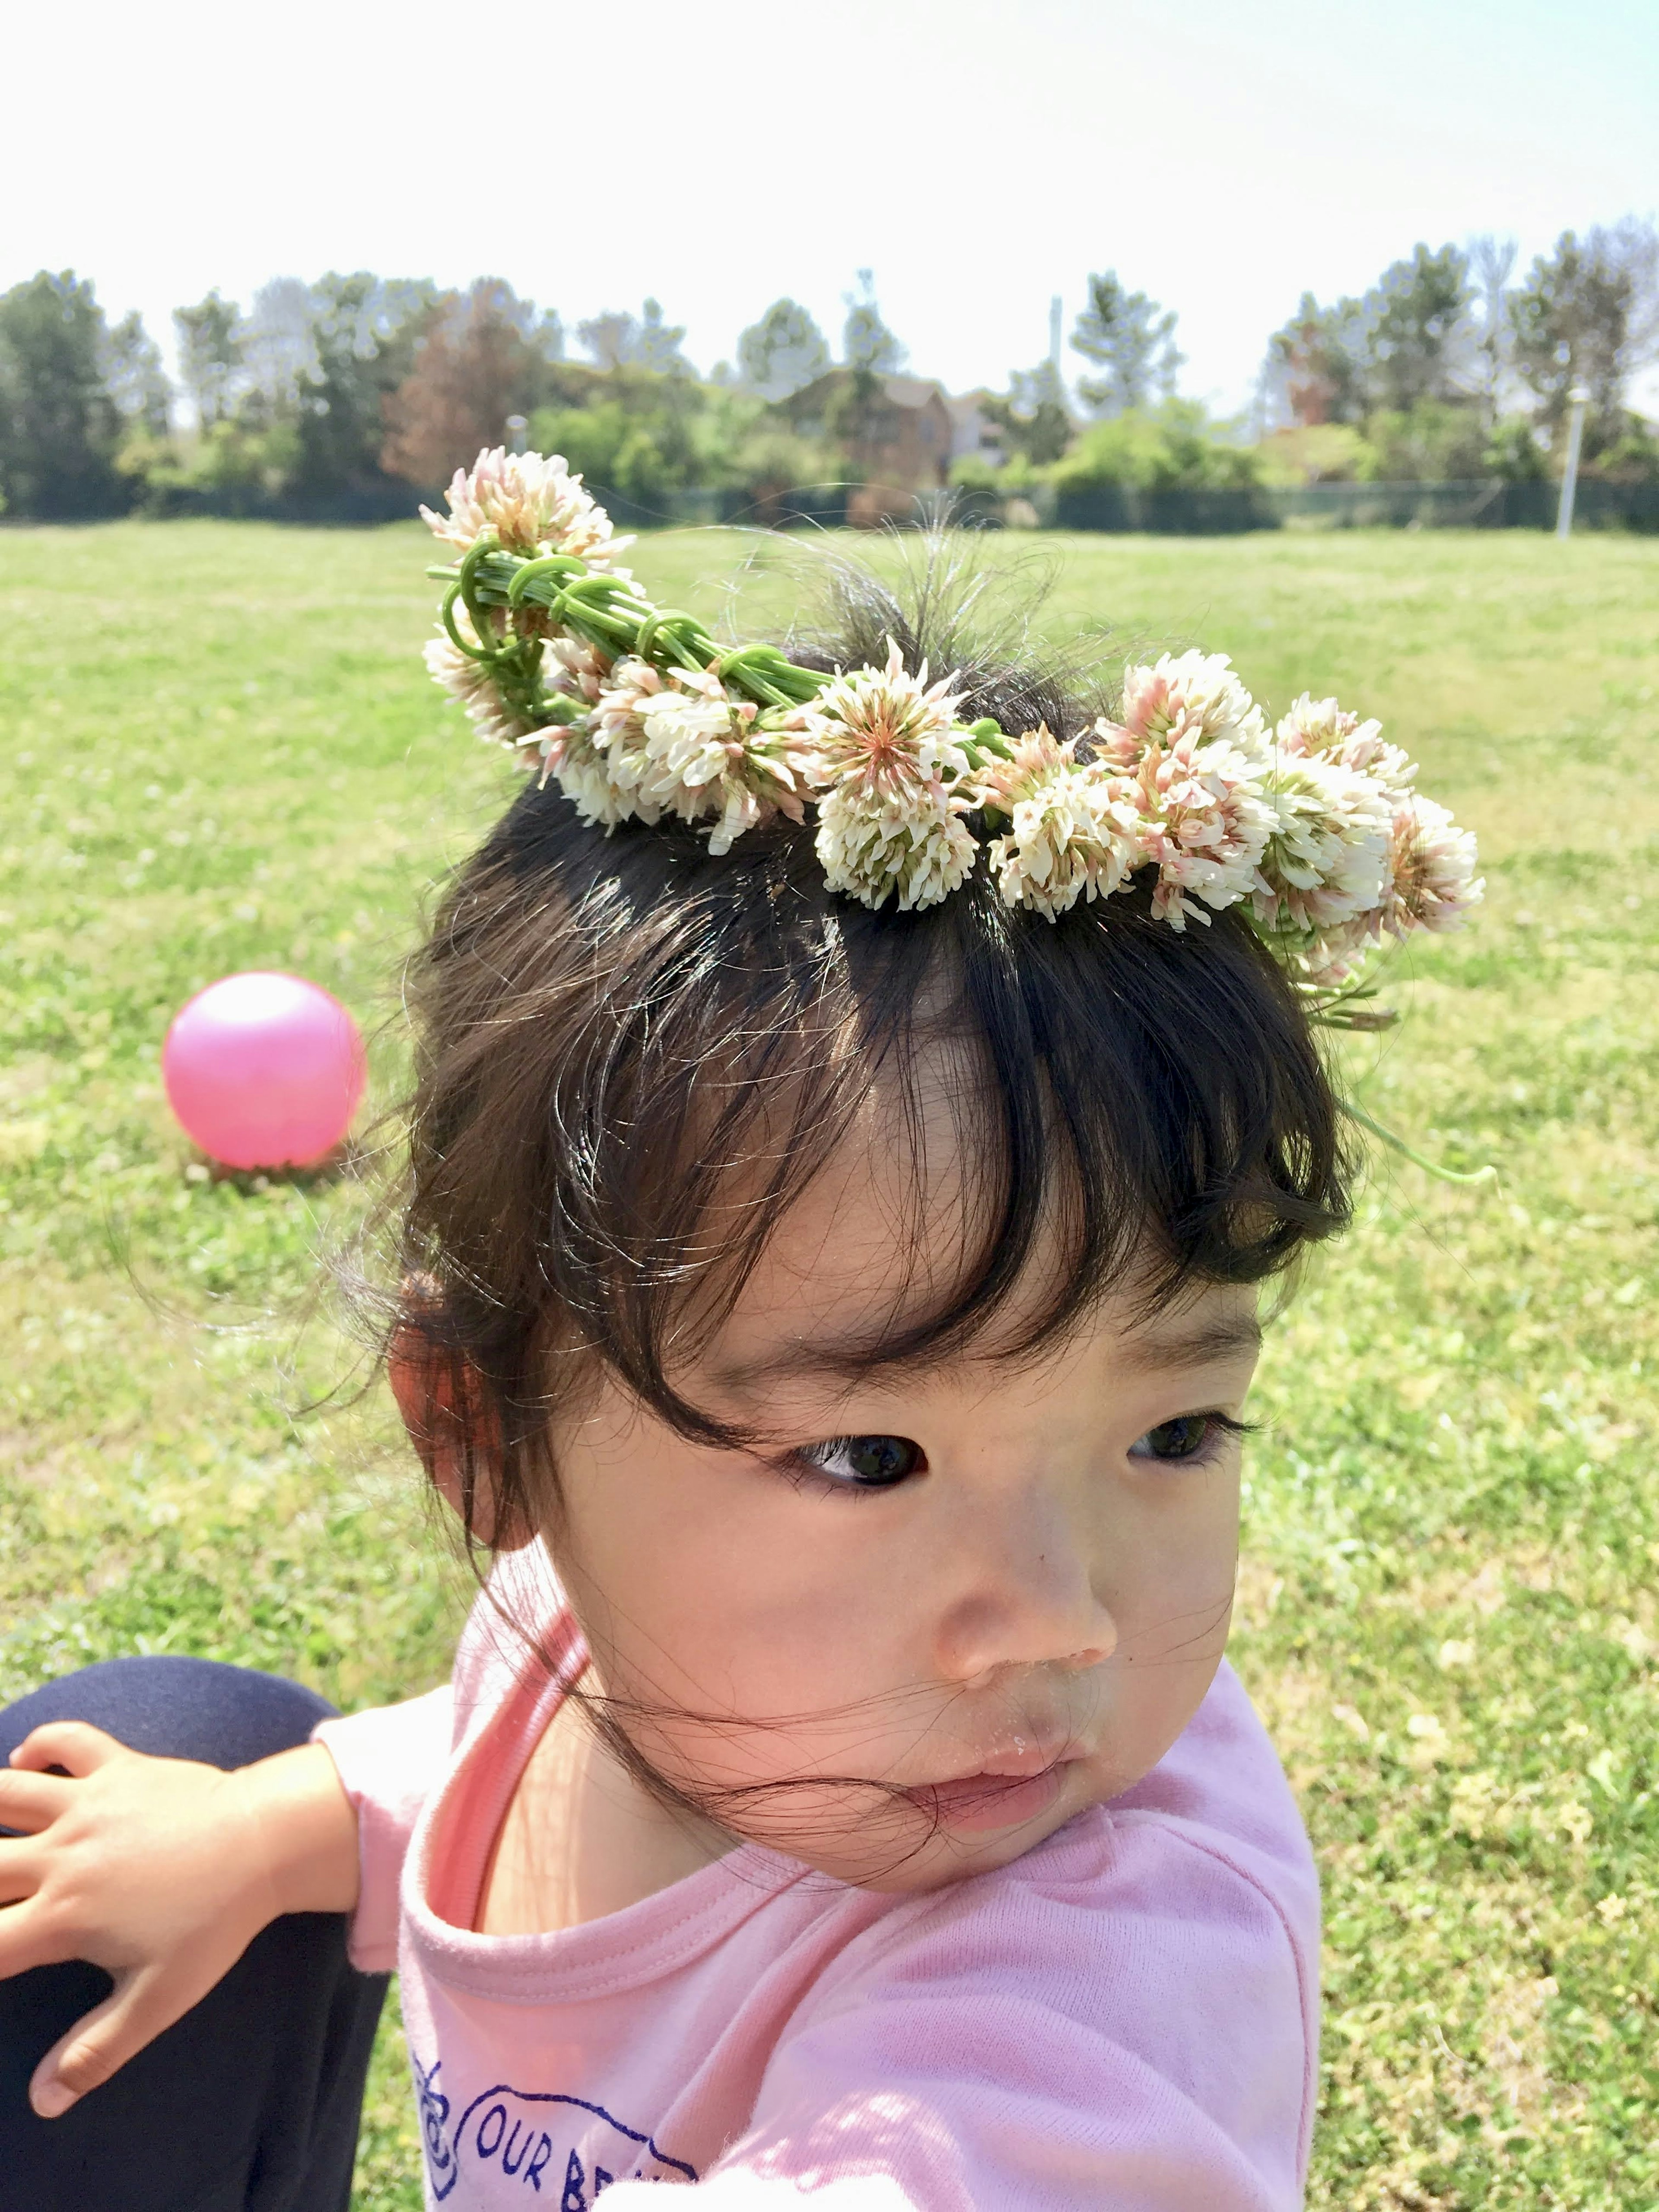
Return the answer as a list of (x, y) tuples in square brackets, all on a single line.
[(487, 654), (466, 584), (983, 739), (611, 615), (1366, 1021), (1487, 1174)]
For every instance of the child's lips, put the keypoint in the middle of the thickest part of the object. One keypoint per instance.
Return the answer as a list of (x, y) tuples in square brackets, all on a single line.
[(975, 1803), (1009, 1788)]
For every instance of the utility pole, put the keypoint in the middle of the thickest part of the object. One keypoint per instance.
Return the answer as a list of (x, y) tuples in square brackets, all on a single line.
[(1053, 337), (1579, 399)]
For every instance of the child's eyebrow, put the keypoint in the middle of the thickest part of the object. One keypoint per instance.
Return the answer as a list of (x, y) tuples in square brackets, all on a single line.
[(1232, 1339)]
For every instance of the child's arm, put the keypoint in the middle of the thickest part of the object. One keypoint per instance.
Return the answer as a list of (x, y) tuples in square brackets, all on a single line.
[(161, 1871)]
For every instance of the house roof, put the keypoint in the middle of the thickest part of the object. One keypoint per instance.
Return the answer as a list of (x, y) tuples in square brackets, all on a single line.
[(913, 393)]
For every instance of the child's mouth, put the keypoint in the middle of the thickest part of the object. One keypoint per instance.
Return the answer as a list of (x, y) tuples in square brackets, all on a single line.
[(975, 1803)]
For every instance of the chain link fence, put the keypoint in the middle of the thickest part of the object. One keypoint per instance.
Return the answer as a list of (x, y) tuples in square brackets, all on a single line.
[(1107, 507)]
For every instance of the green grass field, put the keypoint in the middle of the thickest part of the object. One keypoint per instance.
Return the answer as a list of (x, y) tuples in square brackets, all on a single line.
[(221, 751)]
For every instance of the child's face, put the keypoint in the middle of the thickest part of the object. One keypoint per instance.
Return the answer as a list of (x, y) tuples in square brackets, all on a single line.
[(1003, 1594)]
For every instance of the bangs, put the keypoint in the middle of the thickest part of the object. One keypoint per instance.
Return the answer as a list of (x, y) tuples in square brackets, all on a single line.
[(635, 1058)]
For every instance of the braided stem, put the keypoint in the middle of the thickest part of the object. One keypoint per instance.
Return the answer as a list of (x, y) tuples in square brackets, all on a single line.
[(607, 612)]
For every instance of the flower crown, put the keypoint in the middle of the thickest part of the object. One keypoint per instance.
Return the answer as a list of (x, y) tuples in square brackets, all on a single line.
[(1314, 829)]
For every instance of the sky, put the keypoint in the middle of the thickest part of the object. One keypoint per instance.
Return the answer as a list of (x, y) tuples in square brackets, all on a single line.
[(1222, 156)]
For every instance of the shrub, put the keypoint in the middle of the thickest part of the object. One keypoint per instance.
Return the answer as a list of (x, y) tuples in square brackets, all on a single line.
[(1434, 442), (1173, 447), (1315, 452), (1514, 454)]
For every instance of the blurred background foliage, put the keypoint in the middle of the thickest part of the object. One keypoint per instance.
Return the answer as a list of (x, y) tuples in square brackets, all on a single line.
[(341, 395)]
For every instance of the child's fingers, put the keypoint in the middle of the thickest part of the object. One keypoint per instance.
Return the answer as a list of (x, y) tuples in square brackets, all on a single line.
[(75, 1745), (142, 2005), (20, 1875), (25, 1940), (31, 1802)]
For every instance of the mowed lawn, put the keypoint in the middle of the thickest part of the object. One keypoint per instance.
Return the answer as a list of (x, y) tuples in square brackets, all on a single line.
[(221, 751)]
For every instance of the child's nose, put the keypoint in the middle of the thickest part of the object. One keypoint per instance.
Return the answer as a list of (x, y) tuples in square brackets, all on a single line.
[(1026, 1597)]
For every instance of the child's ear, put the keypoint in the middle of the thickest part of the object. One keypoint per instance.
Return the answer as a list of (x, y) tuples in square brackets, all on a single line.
[(443, 1402)]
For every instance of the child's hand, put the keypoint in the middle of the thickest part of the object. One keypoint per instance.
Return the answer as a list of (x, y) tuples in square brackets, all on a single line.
[(159, 1870)]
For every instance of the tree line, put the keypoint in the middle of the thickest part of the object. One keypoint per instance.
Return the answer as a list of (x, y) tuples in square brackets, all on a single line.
[(1452, 365)]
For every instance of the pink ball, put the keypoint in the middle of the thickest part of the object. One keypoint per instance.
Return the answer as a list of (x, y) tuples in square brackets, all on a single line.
[(264, 1071)]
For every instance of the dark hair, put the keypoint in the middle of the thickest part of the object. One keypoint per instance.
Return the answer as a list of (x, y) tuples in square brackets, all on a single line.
[(618, 1036)]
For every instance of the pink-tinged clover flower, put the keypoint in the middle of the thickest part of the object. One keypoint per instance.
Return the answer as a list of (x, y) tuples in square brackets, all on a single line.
[(894, 784), (681, 744), (1205, 824), (575, 668), (1075, 832), (1432, 864), (1192, 698), (1324, 731), (472, 684), (532, 504)]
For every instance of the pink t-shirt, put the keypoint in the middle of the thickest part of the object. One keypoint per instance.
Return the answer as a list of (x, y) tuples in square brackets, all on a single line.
[(1125, 2019)]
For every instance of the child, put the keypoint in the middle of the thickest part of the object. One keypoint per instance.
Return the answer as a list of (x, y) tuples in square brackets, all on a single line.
[(831, 1254)]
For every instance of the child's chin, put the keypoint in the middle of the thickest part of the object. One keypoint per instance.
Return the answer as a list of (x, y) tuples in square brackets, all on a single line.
[(921, 1851)]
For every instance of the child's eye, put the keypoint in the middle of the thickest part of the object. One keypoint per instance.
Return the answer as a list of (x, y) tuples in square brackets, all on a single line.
[(1189, 1435), (865, 1462)]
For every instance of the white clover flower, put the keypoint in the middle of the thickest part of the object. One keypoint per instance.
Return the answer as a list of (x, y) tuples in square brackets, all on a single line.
[(1322, 729), (871, 845), (1432, 864), (1186, 697), (534, 504), (1205, 822), (1326, 859), (583, 773), (1326, 959), (684, 744), (496, 720), (1074, 833), (888, 754)]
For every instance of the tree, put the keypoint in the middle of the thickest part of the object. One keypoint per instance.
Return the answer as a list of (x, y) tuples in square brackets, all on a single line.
[(365, 330), (59, 428), (1316, 363), (209, 355), (1492, 263), (1034, 418), (782, 352), (1409, 341), (135, 379), (866, 344), (657, 343), (609, 338), (1132, 340), (851, 418), (1588, 313), (479, 359), (616, 339), (278, 347), (1420, 337)]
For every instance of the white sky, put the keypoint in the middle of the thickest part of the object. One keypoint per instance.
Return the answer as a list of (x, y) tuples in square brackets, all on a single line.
[(1222, 154)]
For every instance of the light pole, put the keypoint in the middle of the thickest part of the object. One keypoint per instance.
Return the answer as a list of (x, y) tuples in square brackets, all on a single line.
[(518, 426), (1579, 398)]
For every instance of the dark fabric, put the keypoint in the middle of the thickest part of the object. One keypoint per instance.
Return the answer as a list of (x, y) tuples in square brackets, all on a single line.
[(250, 2103)]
